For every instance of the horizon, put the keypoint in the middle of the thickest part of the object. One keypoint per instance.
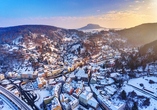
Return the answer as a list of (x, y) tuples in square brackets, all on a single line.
[(74, 28), (72, 14)]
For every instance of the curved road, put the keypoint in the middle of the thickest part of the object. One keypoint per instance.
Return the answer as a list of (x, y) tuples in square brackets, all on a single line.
[(18, 102)]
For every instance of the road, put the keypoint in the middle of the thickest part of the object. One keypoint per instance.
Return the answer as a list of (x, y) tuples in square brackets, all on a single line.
[(25, 96), (93, 93), (18, 102)]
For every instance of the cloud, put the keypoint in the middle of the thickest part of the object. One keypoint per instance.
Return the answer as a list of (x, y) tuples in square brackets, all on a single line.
[(138, 8), (111, 12), (130, 6)]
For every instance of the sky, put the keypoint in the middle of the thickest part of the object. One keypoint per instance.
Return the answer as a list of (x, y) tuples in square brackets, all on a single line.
[(72, 14)]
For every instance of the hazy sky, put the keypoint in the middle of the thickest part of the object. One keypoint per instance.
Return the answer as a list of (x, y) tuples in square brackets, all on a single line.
[(78, 13)]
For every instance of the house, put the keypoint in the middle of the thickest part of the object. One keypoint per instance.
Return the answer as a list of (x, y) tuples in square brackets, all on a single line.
[(35, 74), (68, 102), (66, 106), (60, 79), (2, 77), (47, 99), (67, 88), (93, 80), (16, 93), (108, 105), (58, 89), (78, 90), (41, 81), (28, 74), (87, 88), (81, 75), (9, 74), (52, 82), (84, 97), (74, 102), (107, 81), (57, 71), (55, 104), (115, 76), (110, 90), (68, 80), (72, 76), (64, 98), (93, 103)]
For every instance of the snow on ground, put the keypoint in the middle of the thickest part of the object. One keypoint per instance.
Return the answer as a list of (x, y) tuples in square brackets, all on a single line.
[(42, 94), (5, 81), (16, 41), (116, 101), (153, 103), (145, 81), (71, 58), (80, 107), (67, 39), (6, 46), (95, 30), (6, 105), (13, 48), (25, 69), (75, 47)]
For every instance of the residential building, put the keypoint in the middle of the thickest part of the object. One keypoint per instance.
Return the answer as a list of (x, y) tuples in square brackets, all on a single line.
[(55, 104), (85, 96), (74, 102)]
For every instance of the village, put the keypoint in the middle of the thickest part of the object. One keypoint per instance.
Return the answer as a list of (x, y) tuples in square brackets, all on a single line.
[(67, 80)]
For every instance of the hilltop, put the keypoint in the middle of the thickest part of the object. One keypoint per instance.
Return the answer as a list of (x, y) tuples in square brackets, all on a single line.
[(90, 26)]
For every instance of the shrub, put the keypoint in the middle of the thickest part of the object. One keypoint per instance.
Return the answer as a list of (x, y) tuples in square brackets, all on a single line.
[(146, 102)]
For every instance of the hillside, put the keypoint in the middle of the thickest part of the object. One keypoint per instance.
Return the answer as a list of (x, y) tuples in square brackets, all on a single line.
[(7, 35), (141, 34), (18, 43), (150, 47), (90, 26), (10, 33)]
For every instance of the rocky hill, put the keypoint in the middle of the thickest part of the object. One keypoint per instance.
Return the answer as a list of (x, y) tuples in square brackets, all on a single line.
[(90, 26)]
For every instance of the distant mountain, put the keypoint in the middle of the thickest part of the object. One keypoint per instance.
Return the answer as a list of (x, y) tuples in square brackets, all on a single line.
[(90, 26), (142, 34)]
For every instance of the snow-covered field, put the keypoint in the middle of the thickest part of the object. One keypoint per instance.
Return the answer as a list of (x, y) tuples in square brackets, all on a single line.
[(41, 94), (145, 81), (128, 89)]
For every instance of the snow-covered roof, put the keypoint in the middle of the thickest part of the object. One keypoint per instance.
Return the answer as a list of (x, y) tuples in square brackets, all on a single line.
[(92, 102), (114, 75), (86, 95), (107, 81), (81, 73)]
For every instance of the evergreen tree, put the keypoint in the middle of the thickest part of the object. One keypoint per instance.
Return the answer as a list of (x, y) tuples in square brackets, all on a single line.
[(123, 95), (135, 107)]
